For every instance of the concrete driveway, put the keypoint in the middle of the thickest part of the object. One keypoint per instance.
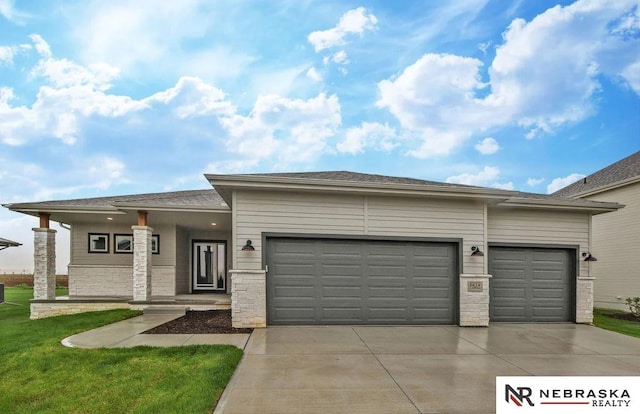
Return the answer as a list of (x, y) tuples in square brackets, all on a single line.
[(428, 369)]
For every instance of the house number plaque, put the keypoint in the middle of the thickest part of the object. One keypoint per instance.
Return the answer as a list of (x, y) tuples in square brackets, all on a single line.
[(474, 286)]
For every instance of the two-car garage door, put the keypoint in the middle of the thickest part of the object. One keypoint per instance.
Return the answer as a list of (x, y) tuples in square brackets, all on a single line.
[(334, 281)]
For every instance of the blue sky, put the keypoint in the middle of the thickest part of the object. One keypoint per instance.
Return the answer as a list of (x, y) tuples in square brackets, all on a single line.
[(118, 97)]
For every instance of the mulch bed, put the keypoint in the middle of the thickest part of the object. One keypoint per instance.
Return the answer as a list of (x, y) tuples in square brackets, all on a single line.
[(200, 322), (623, 316)]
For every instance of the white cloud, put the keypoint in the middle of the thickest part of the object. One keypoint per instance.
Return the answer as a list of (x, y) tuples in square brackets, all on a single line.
[(487, 177), (533, 182), (193, 97), (632, 75), (289, 130), (6, 55), (434, 96), (8, 11), (368, 135), (340, 57), (487, 146), (544, 75), (561, 182), (355, 21), (313, 74)]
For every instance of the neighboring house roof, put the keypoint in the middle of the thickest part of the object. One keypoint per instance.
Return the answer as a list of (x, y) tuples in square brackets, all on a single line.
[(185, 200), (623, 172), (5, 243), (352, 182)]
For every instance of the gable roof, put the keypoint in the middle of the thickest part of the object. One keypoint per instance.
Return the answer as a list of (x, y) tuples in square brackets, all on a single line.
[(625, 171)]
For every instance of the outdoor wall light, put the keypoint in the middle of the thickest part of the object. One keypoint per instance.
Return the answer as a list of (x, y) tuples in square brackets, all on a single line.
[(475, 251), (588, 258), (248, 247)]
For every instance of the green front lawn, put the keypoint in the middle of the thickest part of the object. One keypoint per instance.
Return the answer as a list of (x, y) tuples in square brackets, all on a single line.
[(38, 374), (601, 320)]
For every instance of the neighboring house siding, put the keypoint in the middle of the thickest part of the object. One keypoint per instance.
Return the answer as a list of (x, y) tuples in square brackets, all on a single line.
[(259, 212), (616, 241), (542, 228)]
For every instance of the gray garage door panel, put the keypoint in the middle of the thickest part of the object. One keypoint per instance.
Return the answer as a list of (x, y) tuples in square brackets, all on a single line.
[(532, 284), (324, 281)]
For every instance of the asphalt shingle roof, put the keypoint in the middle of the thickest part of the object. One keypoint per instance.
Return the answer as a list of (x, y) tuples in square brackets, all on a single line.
[(624, 169), (191, 198), (354, 177)]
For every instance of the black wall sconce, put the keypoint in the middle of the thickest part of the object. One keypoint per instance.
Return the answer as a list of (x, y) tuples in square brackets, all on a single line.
[(475, 251), (248, 247), (588, 258)]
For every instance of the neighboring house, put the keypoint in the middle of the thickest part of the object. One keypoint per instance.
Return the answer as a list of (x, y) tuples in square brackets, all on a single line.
[(326, 248), (5, 243), (616, 236)]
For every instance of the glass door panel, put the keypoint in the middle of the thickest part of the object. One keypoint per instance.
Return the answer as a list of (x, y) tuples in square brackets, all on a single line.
[(209, 265)]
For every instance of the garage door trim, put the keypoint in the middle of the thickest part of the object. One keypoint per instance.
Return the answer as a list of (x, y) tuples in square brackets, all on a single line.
[(456, 242)]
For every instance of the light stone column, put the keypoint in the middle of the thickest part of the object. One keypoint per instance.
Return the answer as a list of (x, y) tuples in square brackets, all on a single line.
[(474, 300), (248, 298), (584, 300), (142, 263), (44, 263)]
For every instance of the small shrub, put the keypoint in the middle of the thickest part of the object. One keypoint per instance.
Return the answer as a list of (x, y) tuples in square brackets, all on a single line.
[(634, 306)]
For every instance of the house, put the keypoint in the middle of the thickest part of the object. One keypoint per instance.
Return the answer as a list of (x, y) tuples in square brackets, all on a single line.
[(6, 243), (615, 236), (326, 248)]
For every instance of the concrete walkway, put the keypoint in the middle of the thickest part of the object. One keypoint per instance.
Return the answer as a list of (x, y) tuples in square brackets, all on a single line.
[(128, 333), (428, 369)]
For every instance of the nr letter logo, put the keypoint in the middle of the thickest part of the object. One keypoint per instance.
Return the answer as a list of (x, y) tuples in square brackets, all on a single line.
[(517, 397)]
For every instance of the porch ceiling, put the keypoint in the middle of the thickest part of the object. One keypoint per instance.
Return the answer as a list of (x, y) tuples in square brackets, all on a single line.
[(191, 220)]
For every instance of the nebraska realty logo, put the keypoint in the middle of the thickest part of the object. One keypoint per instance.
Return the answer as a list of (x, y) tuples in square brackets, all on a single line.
[(567, 395)]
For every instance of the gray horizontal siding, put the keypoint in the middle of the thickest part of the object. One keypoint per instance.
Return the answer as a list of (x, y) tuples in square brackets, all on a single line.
[(259, 212), (545, 228)]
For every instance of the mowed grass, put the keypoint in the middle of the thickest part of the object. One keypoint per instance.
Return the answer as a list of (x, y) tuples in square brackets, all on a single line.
[(631, 328), (40, 375)]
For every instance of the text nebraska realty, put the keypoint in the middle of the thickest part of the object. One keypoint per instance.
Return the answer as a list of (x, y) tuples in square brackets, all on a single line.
[(594, 397)]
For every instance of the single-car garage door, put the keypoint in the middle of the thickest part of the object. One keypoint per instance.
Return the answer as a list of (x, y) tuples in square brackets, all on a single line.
[(328, 281), (532, 284)]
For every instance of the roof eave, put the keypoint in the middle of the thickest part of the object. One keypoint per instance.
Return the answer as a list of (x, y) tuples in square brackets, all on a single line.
[(35, 209), (176, 207), (594, 207)]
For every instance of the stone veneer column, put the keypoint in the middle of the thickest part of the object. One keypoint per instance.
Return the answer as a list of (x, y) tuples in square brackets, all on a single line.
[(44, 263), (141, 263), (248, 298), (474, 300), (584, 300)]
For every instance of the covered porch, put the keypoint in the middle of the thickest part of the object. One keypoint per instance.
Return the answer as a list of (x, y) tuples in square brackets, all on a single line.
[(153, 252)]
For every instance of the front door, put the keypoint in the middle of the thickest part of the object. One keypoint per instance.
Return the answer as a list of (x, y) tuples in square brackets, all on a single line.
[(209, 265)]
